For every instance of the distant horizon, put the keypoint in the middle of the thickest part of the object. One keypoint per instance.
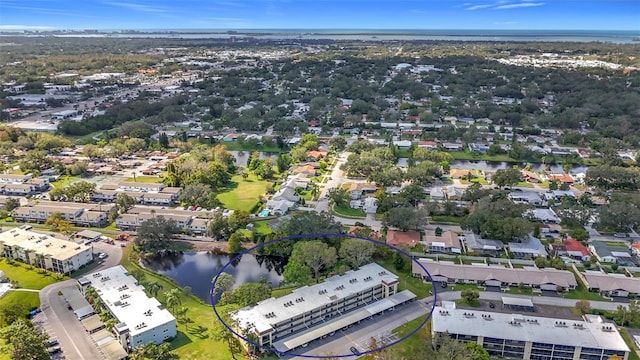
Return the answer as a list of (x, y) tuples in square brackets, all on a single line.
[(589, 15), (37, 28)]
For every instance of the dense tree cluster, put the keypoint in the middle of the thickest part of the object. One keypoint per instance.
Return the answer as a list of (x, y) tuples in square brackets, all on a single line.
[(498, 218)]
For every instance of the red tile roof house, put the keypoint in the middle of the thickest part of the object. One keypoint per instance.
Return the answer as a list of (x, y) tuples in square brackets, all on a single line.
[(317, 154), (564, 178), (428, 144), (396, 237), (573, 249)]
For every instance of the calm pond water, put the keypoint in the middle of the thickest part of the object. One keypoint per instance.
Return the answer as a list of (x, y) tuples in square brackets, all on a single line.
[(197, 269), (242, 156)]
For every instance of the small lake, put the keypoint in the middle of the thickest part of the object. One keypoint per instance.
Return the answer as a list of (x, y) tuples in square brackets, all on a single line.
[(243, 156), (497, 165), (197, 269)]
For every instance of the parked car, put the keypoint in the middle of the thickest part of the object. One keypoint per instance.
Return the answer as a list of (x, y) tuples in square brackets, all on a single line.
[(354, 350)]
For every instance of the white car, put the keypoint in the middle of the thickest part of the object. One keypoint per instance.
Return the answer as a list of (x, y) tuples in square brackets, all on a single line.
[(102, 256)]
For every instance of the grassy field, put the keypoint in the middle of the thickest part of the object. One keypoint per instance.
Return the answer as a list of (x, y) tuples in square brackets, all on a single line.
[(145, 179), (627, 339), (417, 340), (346, 211), (279, 292), (408, 282), (446, 219), (65, 180), (237, 146), (195, 343), (243, 194), (581, 293), (28, 279), (261, 227)]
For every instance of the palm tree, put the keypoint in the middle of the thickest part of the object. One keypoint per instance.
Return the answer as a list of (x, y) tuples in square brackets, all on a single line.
[(27, 257), (40, 260), (69, 264), (153, 288), (172, 298), (183, 312)]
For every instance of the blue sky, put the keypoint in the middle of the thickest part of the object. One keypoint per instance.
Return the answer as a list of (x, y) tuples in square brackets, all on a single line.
[(321, 14)]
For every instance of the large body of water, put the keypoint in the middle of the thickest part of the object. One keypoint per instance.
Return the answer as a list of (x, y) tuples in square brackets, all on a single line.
[(613, 36), (197, 269), (497, 165)]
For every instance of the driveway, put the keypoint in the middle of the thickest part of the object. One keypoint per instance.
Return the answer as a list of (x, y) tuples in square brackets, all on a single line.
[(61, 324), (537, 300)]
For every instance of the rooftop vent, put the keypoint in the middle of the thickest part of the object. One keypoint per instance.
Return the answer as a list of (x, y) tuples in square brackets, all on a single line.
[(468, 314), (560, 324), (578, 326), (444, 312), (323, 291), (381, 273), (368, 278), (607, 328), (486, 316)]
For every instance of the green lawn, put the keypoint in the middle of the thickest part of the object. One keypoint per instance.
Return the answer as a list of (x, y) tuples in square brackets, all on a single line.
[(446, 219), (524, 184), (417, 340), (474, 180), (627, 339), (28, 279), (346, 211), (408, 282), (261, 227), (64, 180), (145, 179), (581, 293), (279, 292), (243, 194), (191, 344), (237, 146)]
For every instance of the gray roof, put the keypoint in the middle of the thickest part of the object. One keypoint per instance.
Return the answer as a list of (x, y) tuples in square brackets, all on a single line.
[(612, 282), (531, 245), (474, 242), (327, 292), (528, 328), (604, 249), (529, 276)]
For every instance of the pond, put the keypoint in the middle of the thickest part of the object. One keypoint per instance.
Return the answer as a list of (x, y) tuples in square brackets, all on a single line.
[(242, 156), (497, 165), (197, 269)]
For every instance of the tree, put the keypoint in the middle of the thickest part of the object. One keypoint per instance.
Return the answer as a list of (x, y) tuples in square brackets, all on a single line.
[(235, 243), (57, 223), (474, 192), (246, 294), (405, 218), (283, 162), (222, 333), (124, 202), (399, 261), (619, 215), (296, 273), (155, 234), (195, 194), (172, 299), (413, 194), (25, 341), (584, 306), (153, 288), (470, 296), (218, 226), (11, 204), (315, 254), (163, 140), (79, 191), (424, 173), (356, 251), (338, 143), (225, 283), (338, 196), (238, 220), (507, 177), (12, 311)]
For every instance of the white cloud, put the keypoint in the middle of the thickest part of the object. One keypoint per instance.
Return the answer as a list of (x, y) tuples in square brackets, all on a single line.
[(477, 7), (137, 7), (515, 6), (25, 27)]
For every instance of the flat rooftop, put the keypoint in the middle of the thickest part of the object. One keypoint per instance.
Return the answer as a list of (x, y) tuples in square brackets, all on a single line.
[(594, 334), (127, 300), (331, 290), (42, 244)]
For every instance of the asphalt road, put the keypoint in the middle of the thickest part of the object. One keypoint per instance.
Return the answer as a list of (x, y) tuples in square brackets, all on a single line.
[(61, 324), (359, 336)]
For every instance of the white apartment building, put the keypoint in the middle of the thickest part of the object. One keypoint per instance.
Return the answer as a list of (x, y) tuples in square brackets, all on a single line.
[(44, 251), (513, 336), (141, 320)]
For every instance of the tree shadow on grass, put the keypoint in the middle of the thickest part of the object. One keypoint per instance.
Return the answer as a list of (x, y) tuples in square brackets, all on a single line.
[(180, 340)]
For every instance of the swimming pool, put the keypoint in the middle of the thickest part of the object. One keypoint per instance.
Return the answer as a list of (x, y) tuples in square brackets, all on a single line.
[(264, 212)]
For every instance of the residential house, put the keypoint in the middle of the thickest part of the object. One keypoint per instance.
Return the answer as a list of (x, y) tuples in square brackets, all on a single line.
[(402, 144), (397, 237), (608, 253), (358, 190), (370, 205), (562, 178), (617, 285), (557, 195), (544, 215), (447, 146), (447, 243), (436, 193), (308, 170), (453, 193), (478, 147), (530, 176), (525, 197), (431, 145), (478, 246), (316, 154), (280, 207), (529, 248), (573, 249), (459, 173)]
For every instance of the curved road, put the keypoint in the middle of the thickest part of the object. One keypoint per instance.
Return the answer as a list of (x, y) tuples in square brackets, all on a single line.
[(61, 324)]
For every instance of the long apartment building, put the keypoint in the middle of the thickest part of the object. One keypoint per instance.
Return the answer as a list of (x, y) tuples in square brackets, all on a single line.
[(143, 193), (21, 185), (513, 336), (192, 222), (44, 251), (311, 312), (141, 319), (495, 275), (80, 214)]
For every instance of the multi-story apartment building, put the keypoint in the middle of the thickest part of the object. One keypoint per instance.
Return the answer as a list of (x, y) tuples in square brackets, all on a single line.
[(311, 312), (79, 214), (57, 255), (141, 320), (143, 193), (512, 336)]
